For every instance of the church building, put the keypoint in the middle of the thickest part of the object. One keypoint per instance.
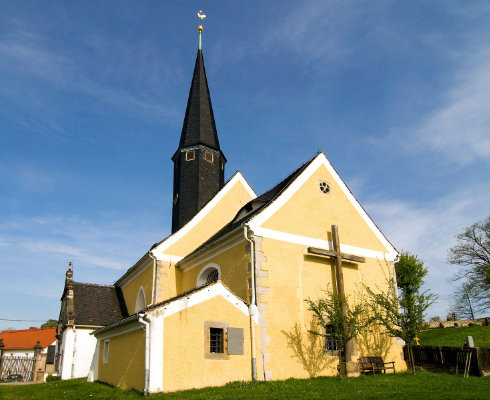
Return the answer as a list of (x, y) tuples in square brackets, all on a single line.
[(223, 297)]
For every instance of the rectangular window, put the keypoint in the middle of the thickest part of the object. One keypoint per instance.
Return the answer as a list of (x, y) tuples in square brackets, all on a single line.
[(105, 357), (216, 340), (190, 155), (208, 156), (330, 343)]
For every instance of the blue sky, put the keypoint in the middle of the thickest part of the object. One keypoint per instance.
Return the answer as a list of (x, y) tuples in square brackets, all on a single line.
[(93, 94)]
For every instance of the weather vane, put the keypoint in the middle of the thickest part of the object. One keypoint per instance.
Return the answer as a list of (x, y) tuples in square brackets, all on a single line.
[(200, 27)]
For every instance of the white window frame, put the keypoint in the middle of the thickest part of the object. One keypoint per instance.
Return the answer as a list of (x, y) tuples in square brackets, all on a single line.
[(140, 303)]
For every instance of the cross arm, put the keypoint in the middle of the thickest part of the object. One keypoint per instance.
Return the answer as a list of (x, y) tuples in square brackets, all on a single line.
[(329, 253)]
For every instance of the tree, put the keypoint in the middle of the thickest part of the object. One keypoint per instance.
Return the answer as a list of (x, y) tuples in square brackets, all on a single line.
[(400, 308), (50, 323), (343, 327), (472, 253), (464, 301), (435, 318)]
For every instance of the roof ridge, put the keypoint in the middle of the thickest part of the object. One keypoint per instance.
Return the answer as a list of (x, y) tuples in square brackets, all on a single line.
[(93, 284)]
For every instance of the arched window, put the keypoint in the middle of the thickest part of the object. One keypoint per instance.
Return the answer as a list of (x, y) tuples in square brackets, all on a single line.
[(209, 274), (140, 301)]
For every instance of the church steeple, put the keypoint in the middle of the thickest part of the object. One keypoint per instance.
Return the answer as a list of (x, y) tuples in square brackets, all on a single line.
[(199, 164)]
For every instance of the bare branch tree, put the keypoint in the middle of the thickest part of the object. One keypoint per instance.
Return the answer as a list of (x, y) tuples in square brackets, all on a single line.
[(472, 253)]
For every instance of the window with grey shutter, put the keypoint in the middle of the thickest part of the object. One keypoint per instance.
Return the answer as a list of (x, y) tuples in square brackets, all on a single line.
[(235, 340)]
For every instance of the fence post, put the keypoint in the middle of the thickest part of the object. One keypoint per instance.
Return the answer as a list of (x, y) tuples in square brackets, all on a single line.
[(2, 345)]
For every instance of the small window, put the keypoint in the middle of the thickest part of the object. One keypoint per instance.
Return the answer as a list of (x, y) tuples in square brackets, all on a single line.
[(209, 274), (216, 340), (105, 357), (190, 155), (330, 343), (208, 156), (249, 267), (324, 187), (250, 284), (222, 164), (140, 301), (212, 276)]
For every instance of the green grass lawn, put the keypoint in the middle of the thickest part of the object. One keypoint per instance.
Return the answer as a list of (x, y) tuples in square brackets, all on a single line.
[(423, 385), (456, 336)]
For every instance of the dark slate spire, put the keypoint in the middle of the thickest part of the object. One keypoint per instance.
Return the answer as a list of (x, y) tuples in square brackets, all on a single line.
[(199, 163), (199, 126)]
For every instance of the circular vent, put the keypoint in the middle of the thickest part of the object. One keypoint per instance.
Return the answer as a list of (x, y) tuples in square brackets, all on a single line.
[(324, 187)]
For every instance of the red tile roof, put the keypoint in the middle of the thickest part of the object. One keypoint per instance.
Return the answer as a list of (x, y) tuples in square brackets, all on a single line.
[(27, 338)]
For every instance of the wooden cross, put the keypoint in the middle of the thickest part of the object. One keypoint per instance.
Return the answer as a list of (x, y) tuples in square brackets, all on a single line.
[(338, 256)]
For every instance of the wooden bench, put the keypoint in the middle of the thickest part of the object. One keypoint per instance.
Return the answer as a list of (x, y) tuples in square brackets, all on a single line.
[(374, 364)]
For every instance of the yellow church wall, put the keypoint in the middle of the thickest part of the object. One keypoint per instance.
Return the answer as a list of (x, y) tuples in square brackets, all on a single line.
[(233, 264), (222, 213), (293, 276), (131, 289), (310, 212), (126, 362), (168, 281), (185, 365)]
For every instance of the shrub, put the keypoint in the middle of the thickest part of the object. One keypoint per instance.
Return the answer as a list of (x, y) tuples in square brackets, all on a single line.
[(441, 325), (51, 378)]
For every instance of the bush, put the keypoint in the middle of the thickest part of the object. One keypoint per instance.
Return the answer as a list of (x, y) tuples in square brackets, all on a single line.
[(441, 325), (51, 378)]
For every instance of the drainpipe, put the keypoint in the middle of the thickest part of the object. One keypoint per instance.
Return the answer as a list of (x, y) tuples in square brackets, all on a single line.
[(154, 289), (252, 308), (142, 319)]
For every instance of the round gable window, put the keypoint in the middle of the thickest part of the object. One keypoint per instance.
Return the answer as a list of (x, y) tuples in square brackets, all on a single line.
[(324, 187), (209, 274)]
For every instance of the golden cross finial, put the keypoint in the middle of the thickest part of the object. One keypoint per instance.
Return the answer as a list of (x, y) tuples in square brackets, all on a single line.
[(200, 28)]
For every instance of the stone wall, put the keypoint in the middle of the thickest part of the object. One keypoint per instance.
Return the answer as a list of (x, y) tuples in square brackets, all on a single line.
[(460, 323)]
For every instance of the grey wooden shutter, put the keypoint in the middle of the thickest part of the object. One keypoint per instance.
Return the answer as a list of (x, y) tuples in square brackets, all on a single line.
[(235, 340)]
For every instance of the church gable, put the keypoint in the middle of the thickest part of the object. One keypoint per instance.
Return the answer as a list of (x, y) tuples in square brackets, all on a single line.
[(315, 200), (210, 219)]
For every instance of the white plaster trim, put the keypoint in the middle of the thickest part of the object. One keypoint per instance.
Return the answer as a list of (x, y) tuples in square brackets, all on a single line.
[(323, 244), (207, 293), (207, 254), (319, 160), (170, 258), (156, 356), (238, 177)]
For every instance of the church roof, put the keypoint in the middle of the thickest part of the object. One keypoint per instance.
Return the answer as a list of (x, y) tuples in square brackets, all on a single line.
[(252, 208), (97, 305), (199, 127)]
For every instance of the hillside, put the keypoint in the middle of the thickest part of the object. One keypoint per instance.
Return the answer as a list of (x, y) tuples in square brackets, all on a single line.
[(456, 336)]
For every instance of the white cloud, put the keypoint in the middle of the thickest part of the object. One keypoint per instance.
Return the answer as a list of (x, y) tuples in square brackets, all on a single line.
[(428, 230), (460, 126)]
